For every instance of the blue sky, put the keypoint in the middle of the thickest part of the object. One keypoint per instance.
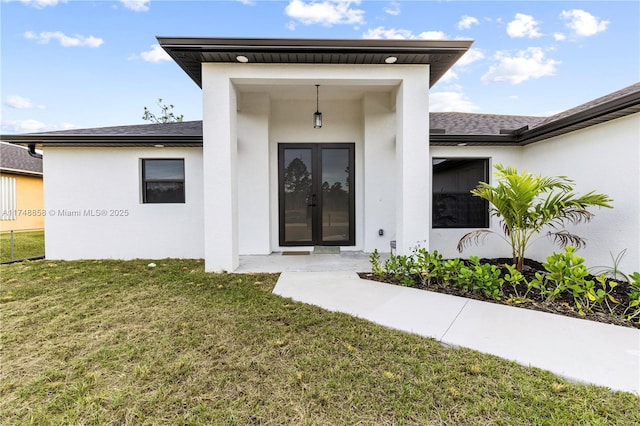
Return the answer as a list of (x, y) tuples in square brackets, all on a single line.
[(75, 64)]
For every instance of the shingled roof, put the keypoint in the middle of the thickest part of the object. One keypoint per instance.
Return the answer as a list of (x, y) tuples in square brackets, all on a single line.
[(447, 128), (16, 159)]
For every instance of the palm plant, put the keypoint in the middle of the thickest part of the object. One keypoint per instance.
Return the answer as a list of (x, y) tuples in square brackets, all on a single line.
[(527, 203)]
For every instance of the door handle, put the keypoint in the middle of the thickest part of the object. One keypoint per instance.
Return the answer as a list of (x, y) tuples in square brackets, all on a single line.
[(313, 201)]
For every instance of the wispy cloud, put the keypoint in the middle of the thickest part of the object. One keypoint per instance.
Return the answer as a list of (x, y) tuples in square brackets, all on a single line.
[(136, 5), (451, 101), (31, 125), (23, 125), (472, 55), (466, 22), (523, 26), (156, 54), (524, 65), (327, 12), (64, 40), (41, 4), (393, 8), (582, 23), (400, 34), (20, 102)]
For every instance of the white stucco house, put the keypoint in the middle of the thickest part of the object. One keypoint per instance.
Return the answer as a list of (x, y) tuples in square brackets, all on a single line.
[(258, 175)]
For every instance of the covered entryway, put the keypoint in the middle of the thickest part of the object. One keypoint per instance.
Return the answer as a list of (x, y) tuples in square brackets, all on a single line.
[(316, 194)]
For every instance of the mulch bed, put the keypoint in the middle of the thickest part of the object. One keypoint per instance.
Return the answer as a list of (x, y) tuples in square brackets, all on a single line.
[(563, 304)]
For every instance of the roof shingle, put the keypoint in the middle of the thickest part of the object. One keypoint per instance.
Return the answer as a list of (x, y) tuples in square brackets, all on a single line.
[(16, 158)]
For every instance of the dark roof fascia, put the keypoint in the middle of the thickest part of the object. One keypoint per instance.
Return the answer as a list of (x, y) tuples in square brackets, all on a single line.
[(182, 45), (472, 140), (19, 172), (104, 140), (622, 106)]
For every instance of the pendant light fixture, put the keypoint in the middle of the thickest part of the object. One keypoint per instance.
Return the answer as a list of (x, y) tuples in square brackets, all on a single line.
[(317, 116)]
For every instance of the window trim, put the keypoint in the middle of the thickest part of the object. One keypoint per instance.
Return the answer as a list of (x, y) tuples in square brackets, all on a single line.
[(143, 181), (486, 178)]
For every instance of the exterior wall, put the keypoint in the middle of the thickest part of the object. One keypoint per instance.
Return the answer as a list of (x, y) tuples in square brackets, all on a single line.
[(602, 158), (29, 197), (446, 240), (379, 171), (84, 184)]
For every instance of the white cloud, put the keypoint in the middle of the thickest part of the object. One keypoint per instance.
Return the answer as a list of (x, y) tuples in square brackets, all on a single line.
[(40, 4), (448, 77), (470, 57), (327, 12), (524, 65), (450, 101), (156, 54), (393, 8), (466, 22), (583, 23), (247, 2), (64, 40), (136, 5), (559, 36), (393, 34), (21, 126), (523, 26), (20, 102)]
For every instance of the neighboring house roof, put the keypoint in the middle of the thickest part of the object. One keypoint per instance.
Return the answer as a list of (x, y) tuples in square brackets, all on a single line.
[(447, 128), (191, 52), (16, 159)]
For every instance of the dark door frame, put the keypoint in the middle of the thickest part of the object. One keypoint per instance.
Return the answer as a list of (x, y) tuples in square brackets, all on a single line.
[(317, 198)]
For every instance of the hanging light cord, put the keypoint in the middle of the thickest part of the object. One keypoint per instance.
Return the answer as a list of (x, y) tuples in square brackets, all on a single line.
[(317, 88)]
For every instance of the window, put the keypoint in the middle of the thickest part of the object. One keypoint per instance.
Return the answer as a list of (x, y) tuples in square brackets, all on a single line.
[(453, 204), (7, 198), (163, 181)]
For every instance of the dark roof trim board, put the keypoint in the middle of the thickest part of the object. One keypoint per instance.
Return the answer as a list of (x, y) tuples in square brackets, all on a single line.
[(190, 52)]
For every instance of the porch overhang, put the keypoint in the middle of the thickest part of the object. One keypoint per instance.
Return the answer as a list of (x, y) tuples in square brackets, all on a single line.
[(191, 52)]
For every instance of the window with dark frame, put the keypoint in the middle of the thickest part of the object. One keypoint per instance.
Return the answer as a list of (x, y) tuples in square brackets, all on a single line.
[(452, 203), (163, 181)]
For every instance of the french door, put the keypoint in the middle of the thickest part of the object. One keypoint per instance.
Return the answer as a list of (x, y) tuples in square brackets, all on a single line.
[(316, 194)]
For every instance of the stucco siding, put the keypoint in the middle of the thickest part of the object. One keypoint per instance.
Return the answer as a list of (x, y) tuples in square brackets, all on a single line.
[(602, 158), (94, 206)]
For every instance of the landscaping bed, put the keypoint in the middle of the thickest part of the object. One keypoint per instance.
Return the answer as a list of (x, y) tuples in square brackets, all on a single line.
[(615, 306)]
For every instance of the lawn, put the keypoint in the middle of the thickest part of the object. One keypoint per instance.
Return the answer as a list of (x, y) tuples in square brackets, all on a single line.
[(26, 244), (112, 342)]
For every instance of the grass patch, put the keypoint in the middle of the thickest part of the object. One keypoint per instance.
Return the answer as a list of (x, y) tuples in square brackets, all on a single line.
[(26, 244), (111, 342)]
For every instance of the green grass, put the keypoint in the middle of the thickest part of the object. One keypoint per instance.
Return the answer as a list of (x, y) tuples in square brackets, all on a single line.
[(26, 244), (110, 342)]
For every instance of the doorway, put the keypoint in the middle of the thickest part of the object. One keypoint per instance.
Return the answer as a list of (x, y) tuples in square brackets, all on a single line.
[(316, 194)]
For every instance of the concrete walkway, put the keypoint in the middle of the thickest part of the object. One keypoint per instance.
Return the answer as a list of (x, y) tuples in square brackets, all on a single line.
[(579, 350)]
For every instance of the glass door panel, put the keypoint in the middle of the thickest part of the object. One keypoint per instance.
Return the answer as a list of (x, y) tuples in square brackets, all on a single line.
[(297, 194), (336, 206)]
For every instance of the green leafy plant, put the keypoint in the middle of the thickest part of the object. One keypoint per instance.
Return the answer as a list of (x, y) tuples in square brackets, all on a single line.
[(429, 266), (515, 278), (401, 269), (565, 272), (376, 266), (614, 271), (633, 310), (526, 203), (166, 114)]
